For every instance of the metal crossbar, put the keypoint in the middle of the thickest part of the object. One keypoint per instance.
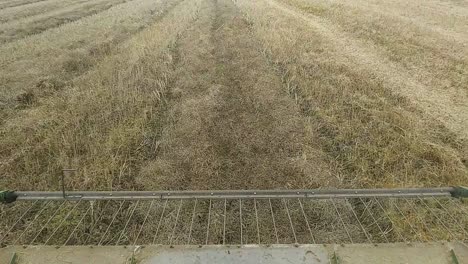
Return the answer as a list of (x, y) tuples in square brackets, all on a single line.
[(234, 217), (237, 194)]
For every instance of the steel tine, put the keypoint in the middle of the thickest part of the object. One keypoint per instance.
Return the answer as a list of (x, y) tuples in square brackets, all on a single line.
[(406, 219), (359, 222), (48, 221), (256, 220), (112, 221), (191, 223), (176, 221), (240, 218), (366, 209), (77, 225), (160, 220), (128, 221), (437, 217), (306, 220), (290, 220), (63, 221), (101, 214), (29, 225), (274, 222), (390, 219), (208, 225), (420, 219), (450, 215), (342, 222), (224, 223), (144, 221)]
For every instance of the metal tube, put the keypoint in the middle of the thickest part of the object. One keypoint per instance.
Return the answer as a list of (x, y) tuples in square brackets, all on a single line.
[(238, 194)]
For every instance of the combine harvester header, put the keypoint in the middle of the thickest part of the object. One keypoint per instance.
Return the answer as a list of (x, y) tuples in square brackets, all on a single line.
[(415, 225)]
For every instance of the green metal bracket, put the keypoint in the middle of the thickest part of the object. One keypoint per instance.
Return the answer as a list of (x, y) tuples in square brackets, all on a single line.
[(8, 196), (459, 192), (335, 259), (13, 258), (454, 257)]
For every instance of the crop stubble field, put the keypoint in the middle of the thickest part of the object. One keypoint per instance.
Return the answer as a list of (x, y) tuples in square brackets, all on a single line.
[(221, 94)]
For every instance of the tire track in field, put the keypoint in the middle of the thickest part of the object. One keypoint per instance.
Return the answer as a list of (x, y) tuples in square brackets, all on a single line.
[(22, 28), (233, 127), (18, 3), (19, 12), (438, 104)]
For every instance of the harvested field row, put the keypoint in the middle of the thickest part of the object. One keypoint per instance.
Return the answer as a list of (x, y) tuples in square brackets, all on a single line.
[(21, 28), (36, 66), (98, 114), (249, 132), (19, 12), (436, 62), (374, 136)]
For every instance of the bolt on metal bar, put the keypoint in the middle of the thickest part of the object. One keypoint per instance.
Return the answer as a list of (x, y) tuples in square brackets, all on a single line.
[(29, 225), (48, 221), (342, 222), (61, 222), (191, 223), (144, 221), (360, 224), (112, 221), (306, 220), (126, 224), (160, 220), (290, 220), (274, 222), (208, 224), (77, 225)]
